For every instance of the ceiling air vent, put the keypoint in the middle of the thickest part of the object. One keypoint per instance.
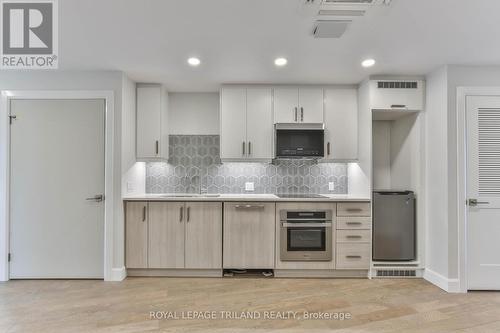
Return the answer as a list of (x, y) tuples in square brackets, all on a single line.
[(338, 12), (397, 84), (396, 273), (330, 28)]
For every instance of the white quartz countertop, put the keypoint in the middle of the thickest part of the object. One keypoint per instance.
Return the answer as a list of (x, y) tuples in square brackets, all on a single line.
[(238, 197)]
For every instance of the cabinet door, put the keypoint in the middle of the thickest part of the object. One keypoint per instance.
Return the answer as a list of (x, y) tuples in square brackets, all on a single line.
[(233, 123), (341, 122), (248, 235), (286, 102), (136, 235), (259, 123), (203, 235), (148, 121), (166, 234), (311, 105)]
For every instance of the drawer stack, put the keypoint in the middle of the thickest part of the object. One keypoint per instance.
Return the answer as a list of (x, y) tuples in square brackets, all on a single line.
[(353, 235)]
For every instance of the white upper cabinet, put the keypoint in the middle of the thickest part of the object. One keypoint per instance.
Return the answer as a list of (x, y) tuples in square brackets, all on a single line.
[(286, 105), (246, 124), (259, 123), (298, 105), (341, 124), (152, 137), (397, 95), (311, 105), (233, 109)]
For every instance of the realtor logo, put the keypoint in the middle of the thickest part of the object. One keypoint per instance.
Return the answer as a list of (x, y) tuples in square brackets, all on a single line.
[(29, 34)]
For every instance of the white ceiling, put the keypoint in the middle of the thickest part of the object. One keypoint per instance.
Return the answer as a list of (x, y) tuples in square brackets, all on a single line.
[(237, 40)]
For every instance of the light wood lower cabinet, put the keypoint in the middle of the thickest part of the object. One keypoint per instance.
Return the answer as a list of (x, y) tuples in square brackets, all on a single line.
[(136, 229), (203, 235), (249, 235), (170, 235), (166, 235)]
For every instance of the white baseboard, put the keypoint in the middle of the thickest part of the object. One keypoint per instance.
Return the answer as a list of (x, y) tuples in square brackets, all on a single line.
[(118, 274), (449, 285)]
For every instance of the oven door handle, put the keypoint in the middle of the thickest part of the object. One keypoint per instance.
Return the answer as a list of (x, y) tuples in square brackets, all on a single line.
[(306, 225), (295, 220)]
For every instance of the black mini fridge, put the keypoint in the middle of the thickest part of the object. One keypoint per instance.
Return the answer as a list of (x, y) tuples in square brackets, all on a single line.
[(394, 226)]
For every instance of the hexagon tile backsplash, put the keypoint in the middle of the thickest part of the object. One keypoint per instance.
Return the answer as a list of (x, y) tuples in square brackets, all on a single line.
[(194, 164)]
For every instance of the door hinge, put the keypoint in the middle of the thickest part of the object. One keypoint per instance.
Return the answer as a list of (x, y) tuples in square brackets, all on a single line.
[(11, 118), (9, 257)]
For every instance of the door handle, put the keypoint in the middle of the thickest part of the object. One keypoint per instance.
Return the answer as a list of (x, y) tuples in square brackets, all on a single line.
[(143, 213), (188, 213), (243, 148), (96, 198), (296, 119), (181, 213), (353, 257), (474, 202), (328, 148), (301, 114), (157, 147), (249, 148)]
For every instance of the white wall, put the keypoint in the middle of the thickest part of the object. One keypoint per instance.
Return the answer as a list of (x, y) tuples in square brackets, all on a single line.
[(193, 113), (77, 80), (436, 182), (359, 174), (381, 155)]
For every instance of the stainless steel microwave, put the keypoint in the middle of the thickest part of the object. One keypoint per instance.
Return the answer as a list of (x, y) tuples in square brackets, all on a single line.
[(299, 140)]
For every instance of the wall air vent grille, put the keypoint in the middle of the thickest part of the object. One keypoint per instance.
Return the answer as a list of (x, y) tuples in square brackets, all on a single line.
[(397, 85), (396, 273), (489, 152)]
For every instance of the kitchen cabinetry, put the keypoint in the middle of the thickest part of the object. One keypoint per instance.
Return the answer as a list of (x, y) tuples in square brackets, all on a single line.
[(136, 226), (174, 235), (341, 124), (246, 124), (353, 235), (248, 238), (298, 105), (151, 134)]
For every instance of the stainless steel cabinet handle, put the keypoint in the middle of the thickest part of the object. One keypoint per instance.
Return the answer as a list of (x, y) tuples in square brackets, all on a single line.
[(296, 119), (354, 209), (157, 147), (353, 223), (96, 198), (328, 148), (474, 202), (143, 213), (188, 213), (249, 148), (243, 148), (353, 236), (398, 106), (353, 257), (249, 206), (301, 114), (181, 213)]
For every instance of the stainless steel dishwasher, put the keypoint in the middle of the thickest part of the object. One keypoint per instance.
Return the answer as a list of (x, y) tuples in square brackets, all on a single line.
[(394, 226)]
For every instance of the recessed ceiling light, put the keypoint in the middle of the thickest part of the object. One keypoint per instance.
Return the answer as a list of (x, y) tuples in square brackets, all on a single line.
[(280, 62), (368, 63), (194, 61)]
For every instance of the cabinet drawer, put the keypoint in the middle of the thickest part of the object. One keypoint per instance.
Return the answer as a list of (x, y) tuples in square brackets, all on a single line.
[(353, 236), (353, 256), (361, 222), (353, 209)]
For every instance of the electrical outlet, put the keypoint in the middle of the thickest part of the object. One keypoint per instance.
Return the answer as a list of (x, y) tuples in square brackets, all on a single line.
[(249, 186), (331, 186)]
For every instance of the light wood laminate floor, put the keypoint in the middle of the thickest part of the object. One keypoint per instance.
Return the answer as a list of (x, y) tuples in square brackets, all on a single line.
[(411, 305)]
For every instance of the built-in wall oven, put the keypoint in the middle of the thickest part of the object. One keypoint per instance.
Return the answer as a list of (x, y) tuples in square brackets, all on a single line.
[(306, 235)]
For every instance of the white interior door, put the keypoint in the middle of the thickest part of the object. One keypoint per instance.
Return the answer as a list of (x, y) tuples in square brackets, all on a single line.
[(483, 185), (57, 162)]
